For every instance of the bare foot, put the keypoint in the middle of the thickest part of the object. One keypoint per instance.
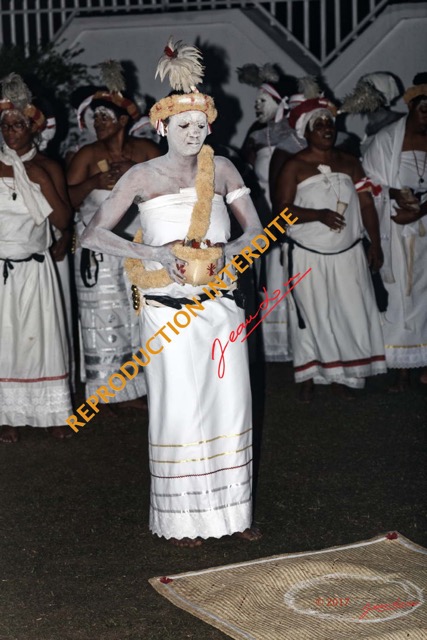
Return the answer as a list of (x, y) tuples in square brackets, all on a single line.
[(306, 392), (189, 543), (9, 435), (60, 433), (402, 381), (253, 534), (342, 391)]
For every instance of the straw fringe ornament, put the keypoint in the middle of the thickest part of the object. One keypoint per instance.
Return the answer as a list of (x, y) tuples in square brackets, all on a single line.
[(199, 225)]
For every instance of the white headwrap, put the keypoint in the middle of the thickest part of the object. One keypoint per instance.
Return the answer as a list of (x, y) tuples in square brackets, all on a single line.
[(283, 102), (310, 117), (37, 205), (384, 83)]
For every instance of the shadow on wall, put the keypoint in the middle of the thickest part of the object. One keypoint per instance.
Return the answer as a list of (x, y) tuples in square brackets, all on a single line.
[(217, 74)]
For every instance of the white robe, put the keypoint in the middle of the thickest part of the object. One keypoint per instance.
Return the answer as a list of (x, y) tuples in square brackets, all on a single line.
[(342, 341), (34, 379), (200, 430), (405, 252), (109, 326), (275, 328)]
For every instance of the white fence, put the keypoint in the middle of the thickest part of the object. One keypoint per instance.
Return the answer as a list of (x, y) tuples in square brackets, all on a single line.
[(323, 28)]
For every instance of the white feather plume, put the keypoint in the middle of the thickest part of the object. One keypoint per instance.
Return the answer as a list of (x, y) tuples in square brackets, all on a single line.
[(268, 73), (309, 87), (112, 76), (182, 63), (16, 91)]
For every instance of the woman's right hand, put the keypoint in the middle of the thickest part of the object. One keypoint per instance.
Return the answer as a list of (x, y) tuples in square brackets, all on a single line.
[(174, 266), (107, 179), (332, 219)]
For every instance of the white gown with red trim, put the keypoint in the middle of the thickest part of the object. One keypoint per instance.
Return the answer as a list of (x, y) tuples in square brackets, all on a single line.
[(34, 378), (200, 430), (343, 340)]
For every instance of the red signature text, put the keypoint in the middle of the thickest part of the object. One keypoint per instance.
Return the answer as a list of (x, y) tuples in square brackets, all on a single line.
[(391, 606), (277, 297)]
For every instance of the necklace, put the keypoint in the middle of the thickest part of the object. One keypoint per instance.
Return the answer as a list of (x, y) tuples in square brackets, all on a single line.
[(14, 195), (420, 175)]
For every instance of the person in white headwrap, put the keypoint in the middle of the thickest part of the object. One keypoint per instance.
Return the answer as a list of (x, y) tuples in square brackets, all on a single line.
[(271, 133), (335, 325), (109, 325), (34, 376), (397, 159), (200, 429)]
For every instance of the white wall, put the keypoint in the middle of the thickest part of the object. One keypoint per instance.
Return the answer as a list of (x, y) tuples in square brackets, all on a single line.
[(142, 39), (395, 42)]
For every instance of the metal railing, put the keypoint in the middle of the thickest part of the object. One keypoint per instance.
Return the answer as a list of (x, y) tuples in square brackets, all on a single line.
[(323, 28)]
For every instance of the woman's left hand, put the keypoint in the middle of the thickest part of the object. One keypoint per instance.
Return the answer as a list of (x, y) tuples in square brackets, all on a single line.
[(60, 248), (404, 216), (375, 257)]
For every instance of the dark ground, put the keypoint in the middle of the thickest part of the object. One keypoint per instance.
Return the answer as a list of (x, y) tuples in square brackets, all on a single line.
[(76, 552)]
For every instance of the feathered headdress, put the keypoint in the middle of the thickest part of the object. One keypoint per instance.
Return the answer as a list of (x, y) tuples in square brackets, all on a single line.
[(112, 78), (17, 96), (180, 62), (364, 99)]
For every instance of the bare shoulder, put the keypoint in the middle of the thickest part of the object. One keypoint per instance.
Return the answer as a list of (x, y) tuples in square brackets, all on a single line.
[(346, 161), (48, 164), (227, 177), (224, 167)]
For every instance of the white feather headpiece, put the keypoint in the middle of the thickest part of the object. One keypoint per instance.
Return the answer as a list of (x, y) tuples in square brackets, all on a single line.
[(308, 85), (182, 63), (112, 76), (16, 91)]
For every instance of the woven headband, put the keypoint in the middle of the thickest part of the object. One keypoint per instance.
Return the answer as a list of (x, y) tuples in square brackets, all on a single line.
[(115, 98), (414, 92), (29, 111), (176, 103)]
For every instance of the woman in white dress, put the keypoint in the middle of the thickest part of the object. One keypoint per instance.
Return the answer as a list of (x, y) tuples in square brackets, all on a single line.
[(200, 424), (34, 376)]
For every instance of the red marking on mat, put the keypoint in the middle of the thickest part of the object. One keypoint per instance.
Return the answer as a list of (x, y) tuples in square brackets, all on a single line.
[(165, 580), (392, 535)]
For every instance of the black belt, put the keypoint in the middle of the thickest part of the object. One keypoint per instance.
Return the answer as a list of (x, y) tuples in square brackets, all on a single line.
[(178, 303), (291, 242), (8, 263)]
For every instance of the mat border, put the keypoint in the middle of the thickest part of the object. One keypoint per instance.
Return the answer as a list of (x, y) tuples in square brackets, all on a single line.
[(222, 625)]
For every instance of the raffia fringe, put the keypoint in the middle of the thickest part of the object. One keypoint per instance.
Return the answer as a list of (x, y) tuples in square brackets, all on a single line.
[(174, 104)]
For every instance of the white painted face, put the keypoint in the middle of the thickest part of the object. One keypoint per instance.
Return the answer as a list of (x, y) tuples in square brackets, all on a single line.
[(265, 106), (186, 132)]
